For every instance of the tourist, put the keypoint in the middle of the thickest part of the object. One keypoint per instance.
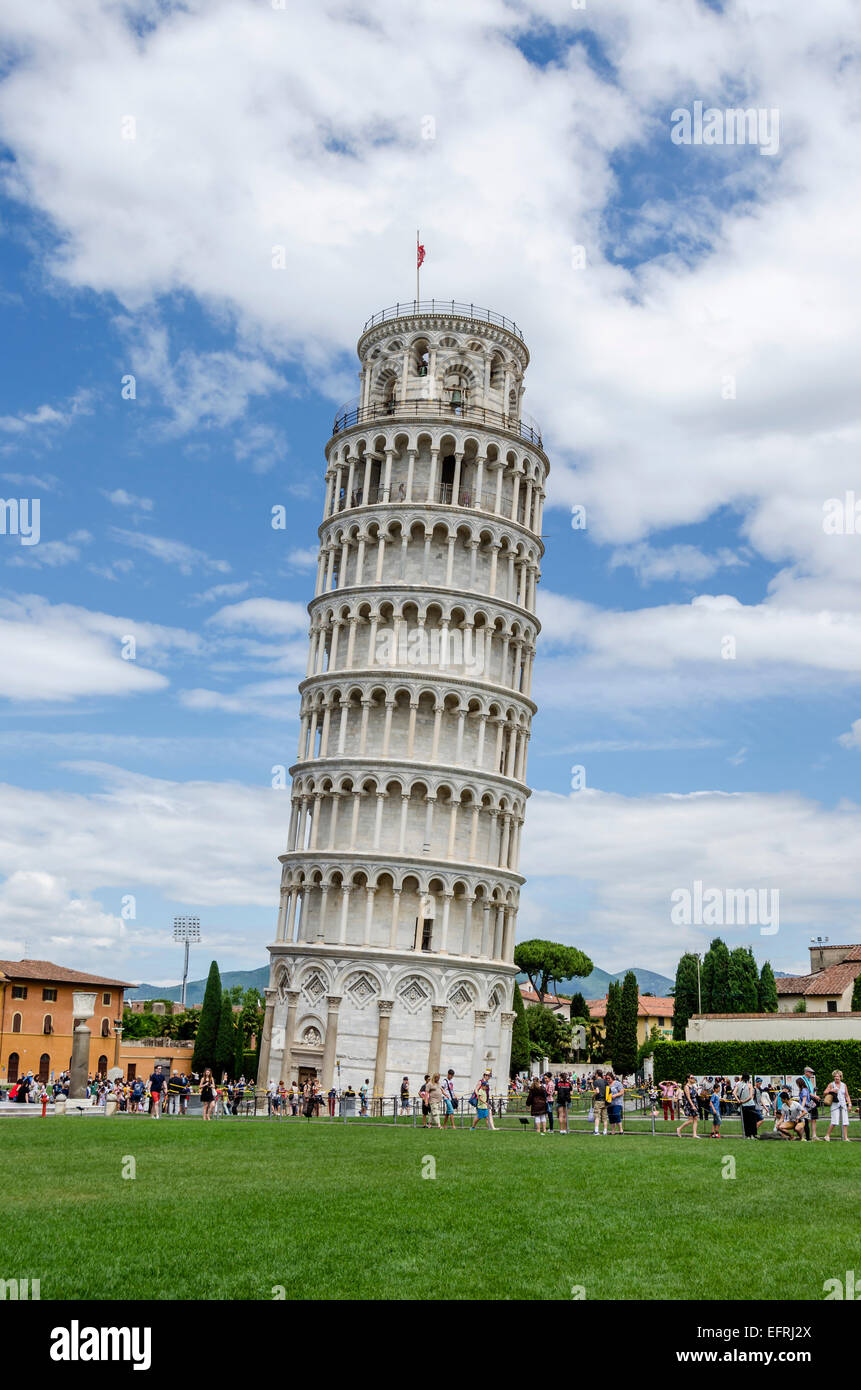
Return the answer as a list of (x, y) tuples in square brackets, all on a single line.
[(481, 1095), (185, 1094), (714, 1107), (308, 1100), (423, 1093), (294, 1099), (207, 1093), (550, 1088), (405, 1096), (364, 1092), (743, 1094), (156, 1089), (449, 1099), (791, 1117), (616, 1103), (668, 1099), (536, 1102), (599, 1100), (332, 1096), (137, 1095), (563, 1100), (435, 1100), (690, 1107), (808, 1080), (174, 1092), (703, 1093), (837, 1096)]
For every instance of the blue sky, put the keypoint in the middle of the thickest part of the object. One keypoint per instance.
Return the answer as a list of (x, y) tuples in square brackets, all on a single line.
[(152, 256)]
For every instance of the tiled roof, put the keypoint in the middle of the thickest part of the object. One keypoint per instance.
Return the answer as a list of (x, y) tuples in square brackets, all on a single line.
[(529, 996), (832, 980), (647, 1007), (55, 974)]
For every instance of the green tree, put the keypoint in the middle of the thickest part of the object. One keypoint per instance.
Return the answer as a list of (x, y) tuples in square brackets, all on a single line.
[(207, 1027), (549, 1033), (685, 994), (225, 1045), (579, 1007), (767, 990), (625, 1045), (611, 1019), (742, 982), (715, 978), (545, 962), (855, 1005), (520, 1054)]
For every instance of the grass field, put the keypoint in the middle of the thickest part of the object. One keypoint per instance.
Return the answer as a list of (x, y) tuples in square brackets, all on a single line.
[(233, 1209)]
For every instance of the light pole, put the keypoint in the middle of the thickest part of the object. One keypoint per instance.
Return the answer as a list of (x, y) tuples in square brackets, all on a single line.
[(186, 929)]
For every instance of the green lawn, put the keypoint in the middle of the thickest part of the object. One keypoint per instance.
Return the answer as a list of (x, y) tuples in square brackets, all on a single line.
[(231, 1209)]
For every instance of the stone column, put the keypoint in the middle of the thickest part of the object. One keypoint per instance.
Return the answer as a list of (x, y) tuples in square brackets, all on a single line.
[(80, 1068), (481, 1017), (385, 1007), (289, 1036), (333, 1002), (438, 1013), (266, 1040), (503, 1061)]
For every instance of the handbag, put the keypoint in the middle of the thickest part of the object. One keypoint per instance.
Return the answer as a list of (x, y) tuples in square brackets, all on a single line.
[(473, 1100), (591, 1114)]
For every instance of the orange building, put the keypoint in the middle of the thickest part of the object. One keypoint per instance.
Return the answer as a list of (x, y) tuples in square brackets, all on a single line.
[(36, 1019)]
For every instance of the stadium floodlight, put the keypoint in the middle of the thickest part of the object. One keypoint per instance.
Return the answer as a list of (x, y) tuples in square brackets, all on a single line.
[(186, 929)]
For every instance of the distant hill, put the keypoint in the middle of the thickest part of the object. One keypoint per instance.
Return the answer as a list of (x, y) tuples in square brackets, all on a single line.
[(595, 986), (194, 990)]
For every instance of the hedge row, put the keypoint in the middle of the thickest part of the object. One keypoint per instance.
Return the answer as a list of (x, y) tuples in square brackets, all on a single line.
[(676, 1060)]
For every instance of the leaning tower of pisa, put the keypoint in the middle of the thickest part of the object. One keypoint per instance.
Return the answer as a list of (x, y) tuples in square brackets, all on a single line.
[(400, 886)]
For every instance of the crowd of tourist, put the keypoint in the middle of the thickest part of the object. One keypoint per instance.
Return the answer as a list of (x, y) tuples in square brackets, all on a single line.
[(778, 1110)]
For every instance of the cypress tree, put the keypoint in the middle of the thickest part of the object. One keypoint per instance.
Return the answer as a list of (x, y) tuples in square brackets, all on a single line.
[(855, 1005), (611, 1019), (720, 995), (751, 983), (519, 1036), (708, 976), (768, 990), (207, 1029), (225, 1046), (579, 1007), (736, 980), (686, 995), (625, 1046)]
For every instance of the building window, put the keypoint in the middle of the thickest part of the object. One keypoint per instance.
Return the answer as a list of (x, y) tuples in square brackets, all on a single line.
[(103, 1066), (49, 996), (832, 1006), (48, 1024), (132, 1071), (660, 1023), (106, 1028), (106, 999), (19, 991), (13, 1067), (44, 1067), (16, 1023)]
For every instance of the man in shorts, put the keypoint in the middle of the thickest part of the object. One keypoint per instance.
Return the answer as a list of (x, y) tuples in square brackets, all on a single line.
[(405, 1096), (156, 1088), (563, 1100)]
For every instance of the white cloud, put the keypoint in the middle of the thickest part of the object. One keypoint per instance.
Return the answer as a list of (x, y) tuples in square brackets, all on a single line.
[(686, 562), (27, 420), (220, 591), (61, 652), (51, 554), (186, 558), (266, 615), (121, 498)]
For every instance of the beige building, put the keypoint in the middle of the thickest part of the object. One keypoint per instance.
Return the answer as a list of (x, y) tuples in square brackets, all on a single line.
[(652, 1012), (551, 1002), (828, 987), (779, 1027)]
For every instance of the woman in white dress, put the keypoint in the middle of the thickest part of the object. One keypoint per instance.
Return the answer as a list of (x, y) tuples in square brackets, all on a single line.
[(837, 1093)]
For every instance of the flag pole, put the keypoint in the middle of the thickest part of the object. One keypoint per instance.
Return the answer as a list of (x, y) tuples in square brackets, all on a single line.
[(418, 242)]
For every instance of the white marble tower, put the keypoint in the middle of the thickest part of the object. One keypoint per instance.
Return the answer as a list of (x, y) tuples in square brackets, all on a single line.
[(400, 886)]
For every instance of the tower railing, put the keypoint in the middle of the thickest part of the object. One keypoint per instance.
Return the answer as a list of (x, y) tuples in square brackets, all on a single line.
[(455, 307), (350, 415)]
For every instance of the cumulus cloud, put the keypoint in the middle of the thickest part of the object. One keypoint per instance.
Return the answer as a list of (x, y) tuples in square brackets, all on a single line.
[(185, 557), (59, 652)]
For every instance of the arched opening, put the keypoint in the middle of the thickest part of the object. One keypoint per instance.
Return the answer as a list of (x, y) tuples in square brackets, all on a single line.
[(14, 1064), (44, 1071), (16, 1023), (47, 1024), (102, 1068)]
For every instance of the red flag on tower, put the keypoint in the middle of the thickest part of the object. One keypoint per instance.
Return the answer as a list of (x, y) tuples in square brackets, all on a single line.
[(420, 255)]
